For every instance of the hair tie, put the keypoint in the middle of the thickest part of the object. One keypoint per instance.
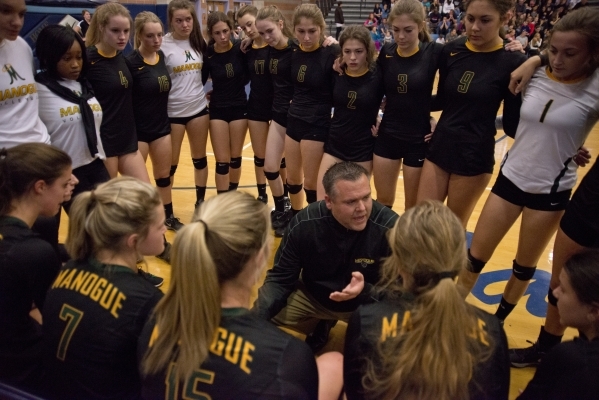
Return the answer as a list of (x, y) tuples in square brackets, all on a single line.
[(446, 274), (205, 225)]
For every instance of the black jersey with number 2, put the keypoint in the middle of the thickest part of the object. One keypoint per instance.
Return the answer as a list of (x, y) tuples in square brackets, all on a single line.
[(229, 74)]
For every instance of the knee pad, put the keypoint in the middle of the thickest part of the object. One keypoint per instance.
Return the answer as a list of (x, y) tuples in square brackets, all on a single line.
[(475, 265), (163, 182), (271, 176), (258, 162), (523, 273), (283, 165), (295, 189), (310, 196), (200, 163), (173, 170), (235, 163), (222, 168), (551, 298)]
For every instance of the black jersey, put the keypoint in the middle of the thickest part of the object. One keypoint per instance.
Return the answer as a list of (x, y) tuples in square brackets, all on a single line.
[(373, 323), (151, 87), (312, 74), (93, 317), (568, 371), (356, 101), (471, 88), (28, 265), (279, 65), (229, 74), (249, 359), (261, 85), (113, 86), (409, 84)]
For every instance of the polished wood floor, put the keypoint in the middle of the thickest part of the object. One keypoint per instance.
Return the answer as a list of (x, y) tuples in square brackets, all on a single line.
[(520, 326)]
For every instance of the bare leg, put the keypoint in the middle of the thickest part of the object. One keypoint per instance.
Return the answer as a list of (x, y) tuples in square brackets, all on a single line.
[(275, 146), (112, 166), (220, 139), (161, 154), (133, 164), (312, 152), (295, 173), (330, 375), (258, 135), (197, 134), (237, 131), (385, 172), (434, 183), (411, 180), (463, 194)]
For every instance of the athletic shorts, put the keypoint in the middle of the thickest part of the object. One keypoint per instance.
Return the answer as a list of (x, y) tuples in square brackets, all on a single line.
[(389, 147), (229, 114), (259, 111), (299, 130), (185, 120), (509, 192), (581, 220), (150, 137), (462, 157), (119, 145), (350, 151), (280, 118)]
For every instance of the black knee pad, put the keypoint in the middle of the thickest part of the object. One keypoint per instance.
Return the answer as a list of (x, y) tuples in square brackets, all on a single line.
[(235, 162), (173, 170), (258, 162), (523, 273), (295, 189), (222, 168), (271, 176), (283, 165), (551, 298), (475, 265), (163, 182), (200, 163)]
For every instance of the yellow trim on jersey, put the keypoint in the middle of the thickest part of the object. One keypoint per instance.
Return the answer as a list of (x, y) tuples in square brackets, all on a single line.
[(261, 47), (224, 51), (104, 55), (553, 78), (409, 54), (470, 47), (284, 46), (157, 60), (359, 74), (309, 51)]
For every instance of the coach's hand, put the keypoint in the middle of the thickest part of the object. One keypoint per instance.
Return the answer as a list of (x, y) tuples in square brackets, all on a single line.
[(352, 290)]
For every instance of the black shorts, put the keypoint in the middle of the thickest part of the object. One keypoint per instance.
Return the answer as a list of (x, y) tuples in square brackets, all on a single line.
[(89, 176), (460, 156), (125, 143), (185, 120), (280, 118), (350, 151), (150, 137), (396, 149), (581, 220), (299, 130), (229, 114), (509, 192), (259, 111)]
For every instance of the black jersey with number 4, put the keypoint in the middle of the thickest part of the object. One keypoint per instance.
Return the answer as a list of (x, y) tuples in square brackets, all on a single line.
[(371, 325), (93, 317), (249, 358), (408, 87), (229, 74), (312, 74), (279, 66), (261, 85), (151, 86)]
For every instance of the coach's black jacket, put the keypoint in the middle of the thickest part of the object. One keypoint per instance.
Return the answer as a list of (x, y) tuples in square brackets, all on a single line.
[(326, 254)]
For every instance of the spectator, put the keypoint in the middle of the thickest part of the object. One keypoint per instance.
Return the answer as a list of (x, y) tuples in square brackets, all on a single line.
[(377, 37), (385, 12), (444, 27), (446, 7), (535, 45), (371, 21), (434, 19), (339, 20), (383, 26), (453, 35), (377, 11), (523, 38)]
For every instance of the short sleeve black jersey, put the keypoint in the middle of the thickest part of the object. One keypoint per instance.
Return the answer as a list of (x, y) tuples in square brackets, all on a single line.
[(151, 87), (261, 84), (372, 324), (229, 75), (113, 86), (28, 265), (409, 84), (356, 100), (249, 359), (312, 74), (279, 65), (93, 317)]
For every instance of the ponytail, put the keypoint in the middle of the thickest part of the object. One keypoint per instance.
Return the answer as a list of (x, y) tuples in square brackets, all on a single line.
[(274, 15)]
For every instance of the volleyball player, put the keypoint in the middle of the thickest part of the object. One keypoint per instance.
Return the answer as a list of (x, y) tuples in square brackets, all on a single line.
[(184, 48), (225, 63), (112, 83), (261, 94), (538, 173), (474, 76), (33, 180), (357, 94), (97, 306), (204, 339), (151, 87), (421, 339)]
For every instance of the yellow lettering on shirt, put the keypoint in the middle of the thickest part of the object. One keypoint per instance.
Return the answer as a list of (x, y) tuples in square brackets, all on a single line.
[(18, 91)]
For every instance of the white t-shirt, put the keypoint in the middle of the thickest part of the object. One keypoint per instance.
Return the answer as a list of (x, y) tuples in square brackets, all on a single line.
[(555, 120), (184, 65), (65, 123), (19, 120)]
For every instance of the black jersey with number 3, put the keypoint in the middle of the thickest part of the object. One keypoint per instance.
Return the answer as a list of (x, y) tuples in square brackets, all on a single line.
[(249, 358), (261, 85), (229, 74), (312, 74)]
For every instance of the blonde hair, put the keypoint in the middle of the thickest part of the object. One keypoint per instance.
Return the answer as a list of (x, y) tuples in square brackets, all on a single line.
[(196, 40), (141, 20), (274, 15), (362, 35), (101, 218), (434, 359), (415, 10), (100, 19), (584, 22), (311, 12), (252, 10), (230, 229)]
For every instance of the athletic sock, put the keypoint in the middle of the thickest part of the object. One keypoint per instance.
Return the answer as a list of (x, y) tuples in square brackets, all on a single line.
[(548, 340), (261, 189), (168, 210), (294, 211), (504, 309), (200, 193), (233, 186), (279, 203), (310, 196), (285, 190)]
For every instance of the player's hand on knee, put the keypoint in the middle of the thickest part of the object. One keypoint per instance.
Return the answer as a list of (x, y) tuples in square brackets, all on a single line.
[(355, 287)]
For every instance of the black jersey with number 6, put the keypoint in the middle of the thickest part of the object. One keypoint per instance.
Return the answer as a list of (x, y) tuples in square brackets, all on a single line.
[(229, 74)]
